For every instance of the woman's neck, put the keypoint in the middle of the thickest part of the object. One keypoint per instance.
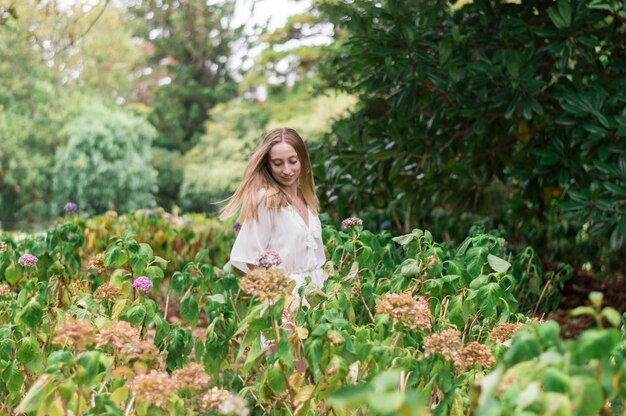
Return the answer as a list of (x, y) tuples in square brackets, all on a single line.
[(292, 191)]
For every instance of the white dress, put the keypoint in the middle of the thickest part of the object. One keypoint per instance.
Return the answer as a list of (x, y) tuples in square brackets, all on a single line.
[(284, 231)]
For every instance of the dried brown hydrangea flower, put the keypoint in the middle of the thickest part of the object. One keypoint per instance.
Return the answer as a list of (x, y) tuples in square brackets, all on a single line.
[(234, 405), (107, 292), (75, 334), (155, 388), (5, 290), (432, 262), (126, 341), (96, 263), (211, 400), (117, 334), (413, 313), (140, 349), (474, 354), (267, 284), (447, 344), (504, 332), (191, 377)]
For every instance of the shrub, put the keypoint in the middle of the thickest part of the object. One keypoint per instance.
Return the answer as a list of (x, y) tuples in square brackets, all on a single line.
[(106, 163)]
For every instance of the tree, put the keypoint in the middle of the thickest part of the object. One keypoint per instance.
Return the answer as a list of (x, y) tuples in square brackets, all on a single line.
[(191, 42), (498, 110), (106, 163)]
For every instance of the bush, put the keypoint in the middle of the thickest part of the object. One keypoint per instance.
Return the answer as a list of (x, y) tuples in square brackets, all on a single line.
[(106, 163)]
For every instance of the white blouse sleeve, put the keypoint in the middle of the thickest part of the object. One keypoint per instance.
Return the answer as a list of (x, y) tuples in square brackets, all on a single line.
[(252, 240)]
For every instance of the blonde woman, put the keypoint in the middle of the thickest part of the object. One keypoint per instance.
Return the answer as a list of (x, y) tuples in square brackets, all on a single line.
[(278, 209)]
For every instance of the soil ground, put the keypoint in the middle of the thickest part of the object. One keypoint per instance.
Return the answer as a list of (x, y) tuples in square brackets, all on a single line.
[(576, 293)]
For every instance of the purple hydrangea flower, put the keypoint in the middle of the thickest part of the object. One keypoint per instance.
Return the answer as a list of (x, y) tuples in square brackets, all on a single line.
[(237, 226), (28, 260), (268, 259), (143, 284), (70, 208), (351, 223)]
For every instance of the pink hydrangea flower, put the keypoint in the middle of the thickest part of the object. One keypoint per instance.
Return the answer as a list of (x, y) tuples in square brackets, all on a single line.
[(351, 223), (268, 259), (143, 284), (28, 260)]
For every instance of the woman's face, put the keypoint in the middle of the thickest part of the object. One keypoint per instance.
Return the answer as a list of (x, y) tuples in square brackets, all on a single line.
[(285, 164)]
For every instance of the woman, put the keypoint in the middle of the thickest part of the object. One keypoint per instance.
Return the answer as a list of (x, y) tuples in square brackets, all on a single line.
[(278, 209)]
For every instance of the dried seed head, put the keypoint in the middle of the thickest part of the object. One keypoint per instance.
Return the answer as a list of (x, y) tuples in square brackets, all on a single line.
[(5, 290), (267, 284), (155, 388), (504, 332), (191, 377), (96, 263), (447, 344), (75, 334), (413, 313), (210, 400), (474, 354), (108, 293), (234, 405), (117, 334)]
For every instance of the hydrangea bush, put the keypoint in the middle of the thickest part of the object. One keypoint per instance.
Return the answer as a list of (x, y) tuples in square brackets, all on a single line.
[(403, 325)]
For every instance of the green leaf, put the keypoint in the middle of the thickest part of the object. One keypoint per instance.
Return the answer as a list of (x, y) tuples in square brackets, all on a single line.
[(555, 380), (582, 310), (525, 346), (31, 313), (276, 379), (588, 397), (498, 264), (12, 275), (387, 402), (217, 298), (595, 343), (189, 310), (138, 263), (114, 256), (403, 240), (90, 361), (28, 351), (354, 269), (136, 314), (612, 316), (36, 394), (13, 378), (410, 268)]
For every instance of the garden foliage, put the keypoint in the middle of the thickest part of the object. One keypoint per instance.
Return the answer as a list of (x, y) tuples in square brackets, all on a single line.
[(499, 111), (403, 325)]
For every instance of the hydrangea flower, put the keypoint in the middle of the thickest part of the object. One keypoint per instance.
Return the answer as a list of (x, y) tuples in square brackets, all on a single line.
[(237, 226), (70, 208), (351, 223), (143, 284), (28, 260), (267, 284), (268, 259)]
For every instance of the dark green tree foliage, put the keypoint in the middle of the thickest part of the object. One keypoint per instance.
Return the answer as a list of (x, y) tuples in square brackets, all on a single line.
[(107, 163), (512, 112), (192, 42), (30, 117)]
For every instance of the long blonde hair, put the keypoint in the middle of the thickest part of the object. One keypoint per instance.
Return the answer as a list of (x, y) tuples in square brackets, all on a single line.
[(258, 175)]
